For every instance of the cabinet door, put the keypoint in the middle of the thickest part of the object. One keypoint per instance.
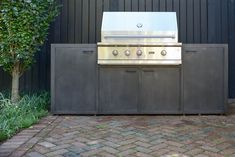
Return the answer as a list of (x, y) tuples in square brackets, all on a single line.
[(118, 90), (203, 77), (160, 90), (74, 80)]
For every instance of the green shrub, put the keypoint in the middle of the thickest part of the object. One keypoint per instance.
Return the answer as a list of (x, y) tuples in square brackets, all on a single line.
[(24, 26), (26, 112)]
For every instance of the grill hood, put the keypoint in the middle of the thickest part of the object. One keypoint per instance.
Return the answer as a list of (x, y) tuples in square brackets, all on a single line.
[(147, 27)]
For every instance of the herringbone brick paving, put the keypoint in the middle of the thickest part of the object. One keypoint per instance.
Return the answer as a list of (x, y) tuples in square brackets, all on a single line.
[(126, 136)]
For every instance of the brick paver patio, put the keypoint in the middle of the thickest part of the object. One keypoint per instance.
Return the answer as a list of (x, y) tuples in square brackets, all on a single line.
[(123, 136)]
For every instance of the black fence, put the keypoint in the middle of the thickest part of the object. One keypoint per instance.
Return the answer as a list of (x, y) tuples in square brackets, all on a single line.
[(199, 21)]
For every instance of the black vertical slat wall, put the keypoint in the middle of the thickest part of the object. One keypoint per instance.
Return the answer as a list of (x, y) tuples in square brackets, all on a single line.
[(199, 21)]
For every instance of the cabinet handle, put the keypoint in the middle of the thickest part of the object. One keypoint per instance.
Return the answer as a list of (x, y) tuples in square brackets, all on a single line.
[(131, 71), (87, 51), (191, 51), (148, 71)]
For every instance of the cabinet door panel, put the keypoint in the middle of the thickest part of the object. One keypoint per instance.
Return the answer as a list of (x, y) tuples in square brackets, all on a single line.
[(203, 70), (75, 80), (118, 90), (160, 90)]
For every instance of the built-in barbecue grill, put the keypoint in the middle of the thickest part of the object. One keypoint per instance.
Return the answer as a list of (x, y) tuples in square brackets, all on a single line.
[(133, 38)]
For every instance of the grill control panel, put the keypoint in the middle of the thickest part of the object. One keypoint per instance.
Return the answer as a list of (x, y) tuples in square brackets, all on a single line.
[(139, 55)]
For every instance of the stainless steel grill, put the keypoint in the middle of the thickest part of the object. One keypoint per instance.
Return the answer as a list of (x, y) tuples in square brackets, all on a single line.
[(133, 38)]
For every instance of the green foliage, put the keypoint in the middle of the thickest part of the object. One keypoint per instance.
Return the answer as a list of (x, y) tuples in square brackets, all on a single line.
[(26, 112), (24, 26)]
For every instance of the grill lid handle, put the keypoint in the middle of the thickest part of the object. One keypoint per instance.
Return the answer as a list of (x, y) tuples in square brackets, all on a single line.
[(140, 36)]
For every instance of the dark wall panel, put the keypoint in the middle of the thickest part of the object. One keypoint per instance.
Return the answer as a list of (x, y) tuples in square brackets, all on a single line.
[(71, 21), (156, 5), (149, 5), (204, 21), (214, 21), (64, 22), (196, 21), (231, 40), (78, 21), (199, 21), (190, 22), (92, 21), (85, 21), (162, 5), (183, 21), (127, 5)]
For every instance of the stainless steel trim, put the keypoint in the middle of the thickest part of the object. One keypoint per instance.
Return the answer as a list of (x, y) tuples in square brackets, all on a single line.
[(140, 62), (126, 44), (150, 55)]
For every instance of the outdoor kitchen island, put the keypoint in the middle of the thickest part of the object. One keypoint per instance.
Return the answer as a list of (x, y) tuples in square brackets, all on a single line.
[(139, 68), (80, 86)]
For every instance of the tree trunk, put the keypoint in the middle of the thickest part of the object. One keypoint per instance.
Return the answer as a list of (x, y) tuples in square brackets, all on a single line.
[(15, 84)]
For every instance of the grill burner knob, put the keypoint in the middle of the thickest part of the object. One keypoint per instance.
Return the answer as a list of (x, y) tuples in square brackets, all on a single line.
[(139, 52), (127, 53), (115, 52), (163, 52)]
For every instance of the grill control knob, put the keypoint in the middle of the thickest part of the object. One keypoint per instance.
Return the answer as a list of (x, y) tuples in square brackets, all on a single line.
[(163, 52), (127, 52), (115, 52), (139, 52)]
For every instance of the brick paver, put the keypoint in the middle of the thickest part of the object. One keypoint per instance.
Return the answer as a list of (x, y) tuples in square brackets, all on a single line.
[(123, 136)]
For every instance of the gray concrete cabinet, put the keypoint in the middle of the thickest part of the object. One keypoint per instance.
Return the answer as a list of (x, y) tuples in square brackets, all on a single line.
[(139, 90), (118, 90), (205, 78), (160, 90), (73, 78)]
